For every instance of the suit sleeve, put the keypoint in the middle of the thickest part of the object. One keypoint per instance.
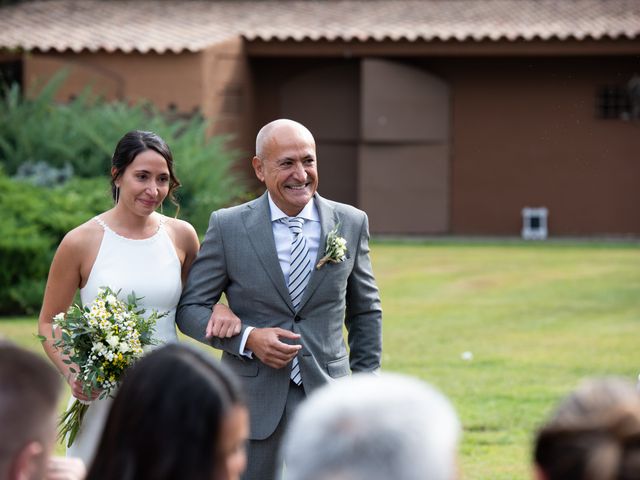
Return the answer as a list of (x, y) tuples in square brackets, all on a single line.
[(206, 282), (363, 317)]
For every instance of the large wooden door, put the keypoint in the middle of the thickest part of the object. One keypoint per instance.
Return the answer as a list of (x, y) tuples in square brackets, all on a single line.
[(404, 149), (382, 134)]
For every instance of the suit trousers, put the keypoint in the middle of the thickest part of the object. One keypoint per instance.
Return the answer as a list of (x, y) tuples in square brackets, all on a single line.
[(264, 461)]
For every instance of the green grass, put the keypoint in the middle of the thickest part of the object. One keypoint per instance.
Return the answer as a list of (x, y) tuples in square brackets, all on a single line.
[(538, 318)]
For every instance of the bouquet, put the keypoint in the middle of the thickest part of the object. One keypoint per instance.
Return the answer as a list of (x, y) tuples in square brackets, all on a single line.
[(102, 339)]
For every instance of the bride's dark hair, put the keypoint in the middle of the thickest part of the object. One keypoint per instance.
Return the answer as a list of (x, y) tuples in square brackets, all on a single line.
[(131, 145), (166, 420), (593, 435)]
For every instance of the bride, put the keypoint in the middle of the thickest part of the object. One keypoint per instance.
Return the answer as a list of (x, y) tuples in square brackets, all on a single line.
[(131, 248)]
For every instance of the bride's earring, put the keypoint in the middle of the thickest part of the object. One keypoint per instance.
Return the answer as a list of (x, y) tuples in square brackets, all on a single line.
[(117, 194), (161, 212)]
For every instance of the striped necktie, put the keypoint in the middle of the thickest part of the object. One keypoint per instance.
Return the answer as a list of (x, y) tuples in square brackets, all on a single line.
[(299, 273)]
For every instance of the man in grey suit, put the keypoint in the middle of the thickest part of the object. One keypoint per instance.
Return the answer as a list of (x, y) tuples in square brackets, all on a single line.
[(265, 256)]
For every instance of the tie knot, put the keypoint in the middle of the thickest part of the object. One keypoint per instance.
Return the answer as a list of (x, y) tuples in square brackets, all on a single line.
[(295, 224)]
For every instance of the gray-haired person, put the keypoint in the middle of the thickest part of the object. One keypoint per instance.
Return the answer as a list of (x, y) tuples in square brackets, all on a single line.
[(373, 428)]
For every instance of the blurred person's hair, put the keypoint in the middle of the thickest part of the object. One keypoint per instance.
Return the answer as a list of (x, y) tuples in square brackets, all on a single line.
[(368, 427), (166, 419), (30, 388), (594, 434)]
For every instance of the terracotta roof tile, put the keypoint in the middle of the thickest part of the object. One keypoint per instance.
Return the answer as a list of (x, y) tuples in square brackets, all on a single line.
[(173, 25)]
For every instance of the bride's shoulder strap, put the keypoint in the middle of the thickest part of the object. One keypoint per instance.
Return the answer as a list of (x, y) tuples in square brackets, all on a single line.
[(101, 222)]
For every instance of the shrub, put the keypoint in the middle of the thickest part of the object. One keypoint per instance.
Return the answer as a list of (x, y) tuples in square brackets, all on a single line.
[(49, 140), (34, 221), (83, 134)]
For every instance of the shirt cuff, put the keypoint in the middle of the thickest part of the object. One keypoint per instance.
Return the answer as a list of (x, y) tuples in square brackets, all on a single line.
[(243, 343)]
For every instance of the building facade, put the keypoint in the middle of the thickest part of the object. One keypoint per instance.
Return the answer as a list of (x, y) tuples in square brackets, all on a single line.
[(436, 118)]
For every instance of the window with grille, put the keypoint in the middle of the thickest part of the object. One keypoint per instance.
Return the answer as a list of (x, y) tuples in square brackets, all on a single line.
[(613, 102), (10, 73)]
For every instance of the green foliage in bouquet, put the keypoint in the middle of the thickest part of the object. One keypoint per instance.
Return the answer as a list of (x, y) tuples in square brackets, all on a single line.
[(101, 339)]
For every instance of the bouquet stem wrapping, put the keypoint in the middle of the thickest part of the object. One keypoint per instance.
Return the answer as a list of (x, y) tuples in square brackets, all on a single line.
[(71, 420)]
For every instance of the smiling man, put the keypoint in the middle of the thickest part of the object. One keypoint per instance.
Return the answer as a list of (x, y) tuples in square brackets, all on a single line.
[(266, 255)]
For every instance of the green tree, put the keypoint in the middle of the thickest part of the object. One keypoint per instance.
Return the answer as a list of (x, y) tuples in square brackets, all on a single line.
[(83, 133), (79, 137)]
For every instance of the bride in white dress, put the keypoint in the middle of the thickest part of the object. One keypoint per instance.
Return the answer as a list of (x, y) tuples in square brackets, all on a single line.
[(130, 248)]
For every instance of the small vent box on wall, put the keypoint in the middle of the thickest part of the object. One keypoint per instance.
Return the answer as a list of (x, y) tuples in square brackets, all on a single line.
[(534, 223)]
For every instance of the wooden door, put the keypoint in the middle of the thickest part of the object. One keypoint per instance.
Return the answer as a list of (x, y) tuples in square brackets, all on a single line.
[(404, 150)]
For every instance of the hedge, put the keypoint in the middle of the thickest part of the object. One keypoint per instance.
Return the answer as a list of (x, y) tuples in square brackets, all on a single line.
[(53, 142)]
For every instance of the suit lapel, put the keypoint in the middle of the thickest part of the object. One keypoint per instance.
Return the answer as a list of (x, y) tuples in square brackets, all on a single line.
[(257, 222), (328, 221)]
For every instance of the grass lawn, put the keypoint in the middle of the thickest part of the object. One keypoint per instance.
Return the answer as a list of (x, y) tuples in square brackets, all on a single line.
[(537, 317)]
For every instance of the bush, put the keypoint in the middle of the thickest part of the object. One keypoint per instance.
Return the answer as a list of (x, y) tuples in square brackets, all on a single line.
[(34, 221), (83, 134), (24, 256), (50, 140)]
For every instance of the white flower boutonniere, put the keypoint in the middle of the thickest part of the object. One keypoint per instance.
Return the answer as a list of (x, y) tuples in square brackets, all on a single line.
[(336, 249)]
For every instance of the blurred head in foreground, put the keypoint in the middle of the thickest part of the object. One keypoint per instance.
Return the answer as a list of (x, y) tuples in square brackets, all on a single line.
[(367, 427), (178, 414), (594, 434), (29, 392)]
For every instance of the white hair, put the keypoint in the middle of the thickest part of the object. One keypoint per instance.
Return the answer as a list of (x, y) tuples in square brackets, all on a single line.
[(367, 427)]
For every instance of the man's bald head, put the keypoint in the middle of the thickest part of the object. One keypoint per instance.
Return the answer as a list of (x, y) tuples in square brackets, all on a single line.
[(272, 129), (285, 162)]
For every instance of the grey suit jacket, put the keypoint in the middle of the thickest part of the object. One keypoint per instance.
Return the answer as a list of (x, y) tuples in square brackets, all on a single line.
[(238, 257)]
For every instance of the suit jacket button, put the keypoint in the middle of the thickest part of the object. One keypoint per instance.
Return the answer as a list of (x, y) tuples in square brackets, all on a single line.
[(297, 318)]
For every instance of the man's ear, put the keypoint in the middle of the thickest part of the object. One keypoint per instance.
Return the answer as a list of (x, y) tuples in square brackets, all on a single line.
[(257, 167), (25, 464)]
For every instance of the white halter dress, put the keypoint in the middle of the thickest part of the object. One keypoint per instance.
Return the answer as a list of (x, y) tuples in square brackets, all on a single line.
[(149, 267)]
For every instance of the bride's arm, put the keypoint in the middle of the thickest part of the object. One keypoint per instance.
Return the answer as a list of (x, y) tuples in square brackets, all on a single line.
[(223, 323), (62, 283), (185, 241)]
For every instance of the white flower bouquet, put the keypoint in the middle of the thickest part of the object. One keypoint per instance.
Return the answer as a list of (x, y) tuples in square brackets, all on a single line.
[(102, 339)]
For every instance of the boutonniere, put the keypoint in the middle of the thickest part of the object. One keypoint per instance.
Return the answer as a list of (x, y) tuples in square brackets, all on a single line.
[(335, 250)]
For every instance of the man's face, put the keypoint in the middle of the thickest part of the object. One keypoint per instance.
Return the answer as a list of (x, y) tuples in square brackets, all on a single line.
[(288, 168)]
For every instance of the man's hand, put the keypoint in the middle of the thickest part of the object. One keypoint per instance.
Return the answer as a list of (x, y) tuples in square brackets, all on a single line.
[(266, 345), (223, 322)]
